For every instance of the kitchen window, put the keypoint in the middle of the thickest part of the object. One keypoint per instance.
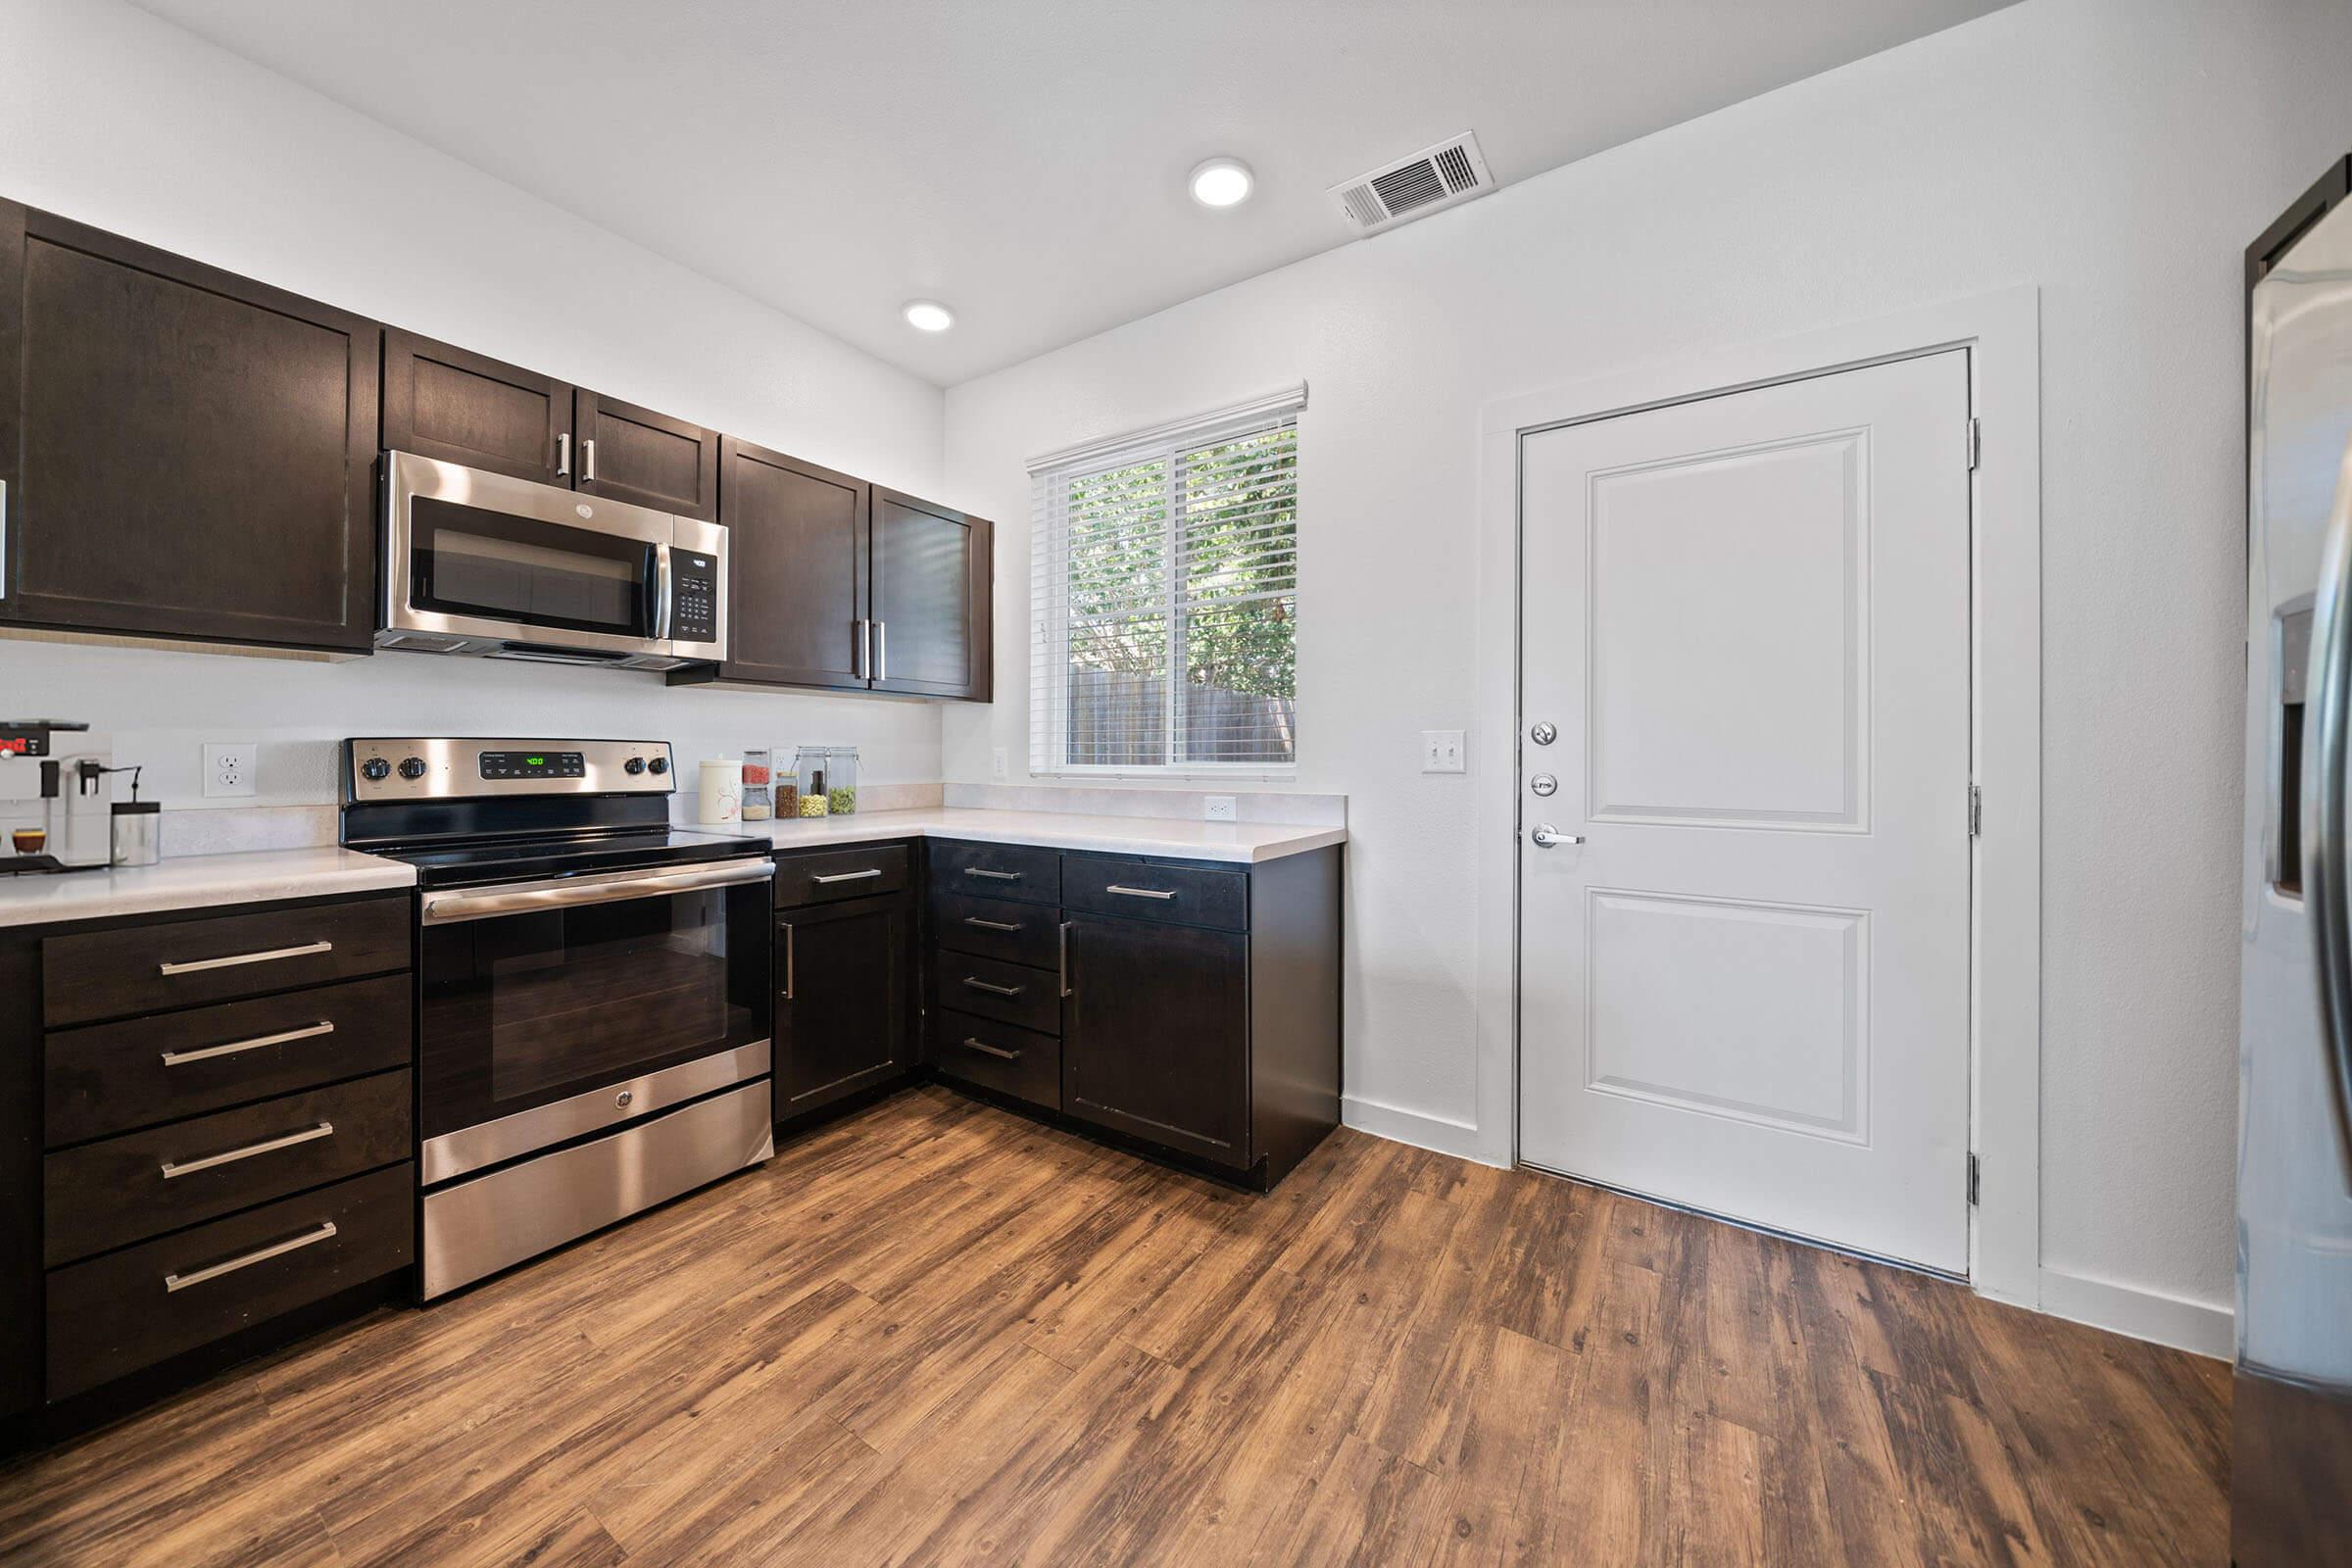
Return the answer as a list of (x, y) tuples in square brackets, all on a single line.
[(1165, 595)]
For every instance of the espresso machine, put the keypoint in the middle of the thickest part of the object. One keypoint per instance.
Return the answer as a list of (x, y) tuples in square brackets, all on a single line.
[(56, 805)]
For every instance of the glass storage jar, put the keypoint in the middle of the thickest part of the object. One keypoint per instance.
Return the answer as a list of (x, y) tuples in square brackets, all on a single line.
[(841, 780), (809, 770)]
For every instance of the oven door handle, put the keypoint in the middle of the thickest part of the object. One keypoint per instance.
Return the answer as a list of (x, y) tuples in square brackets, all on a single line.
[(525, 898)]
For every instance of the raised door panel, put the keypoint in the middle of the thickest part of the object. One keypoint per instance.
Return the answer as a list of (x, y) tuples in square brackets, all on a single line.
[(1156, 1039), (842, 1005), (462, 406), (797, 553), (194, 452), (648, 459), (932, 575)]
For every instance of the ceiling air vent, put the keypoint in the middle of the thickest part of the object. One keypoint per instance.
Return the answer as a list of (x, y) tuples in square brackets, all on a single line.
[(1433, 177)]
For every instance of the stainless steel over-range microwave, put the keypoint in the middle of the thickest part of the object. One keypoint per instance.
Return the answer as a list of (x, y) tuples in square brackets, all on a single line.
[(493, 565)]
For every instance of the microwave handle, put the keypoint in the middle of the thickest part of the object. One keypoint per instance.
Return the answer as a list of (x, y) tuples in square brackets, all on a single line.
[(664, 591)]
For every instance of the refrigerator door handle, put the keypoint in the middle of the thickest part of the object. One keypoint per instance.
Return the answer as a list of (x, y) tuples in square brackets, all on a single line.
[(2327, 903)]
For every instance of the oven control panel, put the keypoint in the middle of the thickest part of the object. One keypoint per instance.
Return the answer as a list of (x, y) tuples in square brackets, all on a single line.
[(378, 769), (694, 602)]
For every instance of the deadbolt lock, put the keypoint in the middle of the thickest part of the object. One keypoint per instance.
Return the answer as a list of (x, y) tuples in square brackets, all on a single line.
[(1543, 784), (1544, 733)]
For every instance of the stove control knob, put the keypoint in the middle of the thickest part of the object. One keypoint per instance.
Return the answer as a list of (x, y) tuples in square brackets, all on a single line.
[(412, 767), (375, 769), (635, 764), (660, 764)]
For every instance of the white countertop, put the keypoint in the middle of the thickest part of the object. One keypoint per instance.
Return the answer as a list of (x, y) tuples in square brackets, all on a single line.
[(195, 882), (1243, 843), (206, 881)]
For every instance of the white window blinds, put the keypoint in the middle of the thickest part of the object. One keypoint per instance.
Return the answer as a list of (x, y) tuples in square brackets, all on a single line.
[(1164, 597)]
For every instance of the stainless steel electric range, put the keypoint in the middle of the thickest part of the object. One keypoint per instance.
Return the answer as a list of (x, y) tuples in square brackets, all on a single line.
[(595, 998)]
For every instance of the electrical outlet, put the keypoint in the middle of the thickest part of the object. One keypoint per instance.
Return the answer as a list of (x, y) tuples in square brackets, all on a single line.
[(1216, 808), (1000, 764), (1442, 750), (228, 767)]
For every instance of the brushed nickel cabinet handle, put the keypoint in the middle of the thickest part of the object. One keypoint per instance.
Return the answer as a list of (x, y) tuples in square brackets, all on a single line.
[(992, 925), (790, 948), (191, 967), (588, 461), (992, 877), (563, 454), (847, 876), (268, 1145), (173, 1059), (180, 1281), (1139, 893), (881, 650), (978, 984), (3, 538), (985, 1049), (1064, 965), (863, 650)]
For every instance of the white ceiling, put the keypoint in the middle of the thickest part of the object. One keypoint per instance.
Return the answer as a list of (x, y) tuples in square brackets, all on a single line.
[(1022, 160)]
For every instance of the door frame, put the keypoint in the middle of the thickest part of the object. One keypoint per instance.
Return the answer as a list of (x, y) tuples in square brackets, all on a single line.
[(2001, 329)]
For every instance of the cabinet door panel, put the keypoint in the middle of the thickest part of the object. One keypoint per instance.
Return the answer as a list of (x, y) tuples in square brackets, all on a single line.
[(797, 551), (842, 1006), (932, 577), (195, 452), (635, 454), (1155, 1036), (462, 406)]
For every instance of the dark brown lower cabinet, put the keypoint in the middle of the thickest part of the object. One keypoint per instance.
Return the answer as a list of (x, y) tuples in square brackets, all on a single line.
[(845, 1008), (1155, 1040)]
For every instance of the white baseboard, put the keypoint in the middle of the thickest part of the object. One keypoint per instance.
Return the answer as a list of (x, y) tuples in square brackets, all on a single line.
[(2142, 1314), (1441, 1134)]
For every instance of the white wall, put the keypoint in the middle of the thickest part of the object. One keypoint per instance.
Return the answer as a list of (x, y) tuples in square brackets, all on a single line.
[(2116, 154), (114, 117)]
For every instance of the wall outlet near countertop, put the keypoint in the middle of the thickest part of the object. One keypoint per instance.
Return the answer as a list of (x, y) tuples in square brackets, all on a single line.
[(1000, 764), (1442, 750), (228, 767), (1216, 808)]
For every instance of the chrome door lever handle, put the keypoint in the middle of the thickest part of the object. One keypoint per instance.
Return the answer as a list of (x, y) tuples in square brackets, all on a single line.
[(1546, 835)]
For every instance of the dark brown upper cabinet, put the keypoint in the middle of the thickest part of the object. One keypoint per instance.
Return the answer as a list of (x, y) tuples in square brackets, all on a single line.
[(933, 573), (467, 407), (186, 452)]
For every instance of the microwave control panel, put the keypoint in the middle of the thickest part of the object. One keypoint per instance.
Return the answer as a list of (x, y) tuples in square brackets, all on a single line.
[(693, 600)]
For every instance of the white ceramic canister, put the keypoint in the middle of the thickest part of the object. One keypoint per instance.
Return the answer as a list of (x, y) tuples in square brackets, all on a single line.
[(723, 790)]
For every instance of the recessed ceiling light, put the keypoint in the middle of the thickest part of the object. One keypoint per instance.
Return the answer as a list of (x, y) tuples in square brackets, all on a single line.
[(1222, 182), (929, 315)]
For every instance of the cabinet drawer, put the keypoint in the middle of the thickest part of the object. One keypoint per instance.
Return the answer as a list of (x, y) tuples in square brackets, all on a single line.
[(997, 870), (1005, 992), (141, 1184), (1019, 1063), (1180, 895), (119, 1313), (857, 873), (108, 1078), (998, 928), (180, 963)]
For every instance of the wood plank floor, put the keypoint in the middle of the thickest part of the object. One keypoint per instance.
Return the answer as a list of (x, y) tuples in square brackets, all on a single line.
[(937, 1333)]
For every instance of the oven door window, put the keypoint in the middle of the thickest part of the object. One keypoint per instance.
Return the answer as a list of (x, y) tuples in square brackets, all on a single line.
[(527, 1010), (463, 560)]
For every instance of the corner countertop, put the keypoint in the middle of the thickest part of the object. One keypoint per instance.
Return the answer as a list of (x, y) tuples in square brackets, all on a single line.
[(195, 882), (1243, 843), (257, 876)]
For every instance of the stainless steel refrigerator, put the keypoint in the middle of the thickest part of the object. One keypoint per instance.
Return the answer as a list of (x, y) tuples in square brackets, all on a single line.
[(2291, 1459)]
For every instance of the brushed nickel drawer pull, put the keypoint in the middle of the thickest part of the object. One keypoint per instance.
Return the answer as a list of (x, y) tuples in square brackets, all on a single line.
[(268, 1145), (1002, 990), (992, 877), (180, 1281), (847, 876), (1065, 966), (986, 1049), (992, 925), (790, 949), (1139, 893), (272, 956), (173, 1059)]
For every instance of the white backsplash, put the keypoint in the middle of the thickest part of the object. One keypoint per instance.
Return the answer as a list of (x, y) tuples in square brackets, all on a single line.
[(1261, 805)]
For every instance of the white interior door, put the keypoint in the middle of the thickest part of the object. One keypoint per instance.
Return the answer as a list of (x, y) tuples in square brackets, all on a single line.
[(1745, 989)]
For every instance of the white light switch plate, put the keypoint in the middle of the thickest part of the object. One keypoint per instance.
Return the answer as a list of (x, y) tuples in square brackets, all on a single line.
[(1442, 750), (1000, 764), (228, 767), (1216, 808)]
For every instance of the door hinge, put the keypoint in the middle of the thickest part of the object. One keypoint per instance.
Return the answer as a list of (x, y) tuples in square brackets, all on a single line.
[(1976, 442), (1975, 810), (1975, 1174)]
